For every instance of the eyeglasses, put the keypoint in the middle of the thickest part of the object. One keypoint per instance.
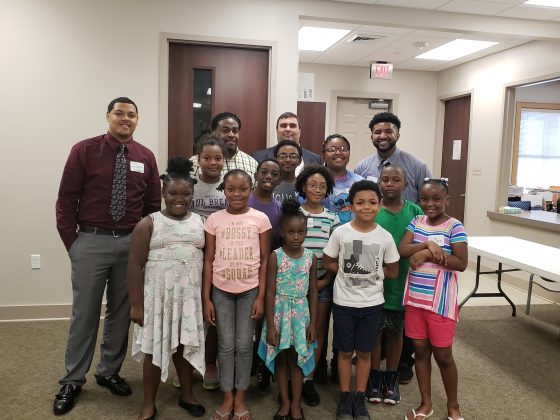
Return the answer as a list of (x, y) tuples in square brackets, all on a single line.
[(285, 156), (316, 187), (341, 149)]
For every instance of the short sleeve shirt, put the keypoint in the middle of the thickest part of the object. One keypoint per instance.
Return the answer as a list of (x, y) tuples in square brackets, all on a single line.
[(416, 171), (359, 281), (237, 257), (338, 201), (431, 286), (396, 224), (319, 228), (207, 199)]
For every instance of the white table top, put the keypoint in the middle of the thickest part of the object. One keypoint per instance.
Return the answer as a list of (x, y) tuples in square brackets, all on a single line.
[(532, 257)]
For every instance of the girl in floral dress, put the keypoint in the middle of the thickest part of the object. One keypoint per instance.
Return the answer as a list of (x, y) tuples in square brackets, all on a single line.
[(288, 337), (164, 283)]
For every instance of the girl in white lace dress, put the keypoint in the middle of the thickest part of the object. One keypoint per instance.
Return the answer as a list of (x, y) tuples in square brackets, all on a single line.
[(164, 281)]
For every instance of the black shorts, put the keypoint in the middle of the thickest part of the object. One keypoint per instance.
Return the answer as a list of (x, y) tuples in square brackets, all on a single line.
[(392, 321), (355, 329)]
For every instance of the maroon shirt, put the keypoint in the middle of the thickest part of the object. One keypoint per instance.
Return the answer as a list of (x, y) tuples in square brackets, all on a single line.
[(84, 195)]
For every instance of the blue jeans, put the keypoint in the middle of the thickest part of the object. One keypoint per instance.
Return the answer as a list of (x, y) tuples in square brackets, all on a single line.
[(235, 337)]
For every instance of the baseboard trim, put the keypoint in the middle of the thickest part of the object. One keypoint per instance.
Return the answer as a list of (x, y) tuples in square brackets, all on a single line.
[(37, 312), (49, 312)]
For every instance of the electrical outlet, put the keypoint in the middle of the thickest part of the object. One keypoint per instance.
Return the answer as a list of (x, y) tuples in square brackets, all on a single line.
[(35, 261)]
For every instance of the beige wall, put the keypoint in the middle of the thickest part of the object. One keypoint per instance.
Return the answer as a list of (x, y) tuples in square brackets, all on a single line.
[(487, 79), (414, 95), (63, 60)]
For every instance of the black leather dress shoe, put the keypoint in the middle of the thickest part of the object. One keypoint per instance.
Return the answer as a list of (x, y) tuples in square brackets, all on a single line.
[(196, 410), (115, 383), (64, 400)]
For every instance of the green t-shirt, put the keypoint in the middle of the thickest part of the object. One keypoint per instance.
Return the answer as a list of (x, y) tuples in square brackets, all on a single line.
[(395, 224)]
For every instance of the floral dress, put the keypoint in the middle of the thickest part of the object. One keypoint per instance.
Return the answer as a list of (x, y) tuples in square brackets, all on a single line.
[(172, 294), (291, 311)]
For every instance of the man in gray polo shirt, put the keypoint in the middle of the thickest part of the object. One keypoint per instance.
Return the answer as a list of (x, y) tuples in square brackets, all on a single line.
[(385, 128)]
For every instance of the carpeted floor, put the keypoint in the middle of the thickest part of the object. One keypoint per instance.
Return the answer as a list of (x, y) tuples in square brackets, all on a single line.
[(508, 368)]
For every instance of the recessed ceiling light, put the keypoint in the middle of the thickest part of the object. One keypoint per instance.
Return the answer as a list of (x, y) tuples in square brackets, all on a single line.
[(545, 3), (455, 49), (319, 39)]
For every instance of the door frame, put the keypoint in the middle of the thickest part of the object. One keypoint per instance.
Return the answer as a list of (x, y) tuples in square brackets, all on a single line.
[(438, 149), (348, 94), (165, 38)]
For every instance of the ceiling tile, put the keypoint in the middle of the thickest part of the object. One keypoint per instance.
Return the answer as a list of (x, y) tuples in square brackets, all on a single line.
[(475, 7), (531, 12), (414, 4)]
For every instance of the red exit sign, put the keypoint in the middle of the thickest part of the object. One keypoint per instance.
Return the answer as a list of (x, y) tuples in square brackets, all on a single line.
[(381, 71)]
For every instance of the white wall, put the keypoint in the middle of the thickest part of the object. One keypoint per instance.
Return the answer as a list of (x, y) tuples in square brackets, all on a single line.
[(488, 78), (415, 101), (544, 93), (62, 62)]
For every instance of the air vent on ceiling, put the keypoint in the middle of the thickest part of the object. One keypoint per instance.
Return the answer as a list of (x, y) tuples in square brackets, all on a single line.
[(361, 37)]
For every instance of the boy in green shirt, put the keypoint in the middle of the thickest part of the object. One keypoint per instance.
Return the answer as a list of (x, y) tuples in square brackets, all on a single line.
[(394, 216)]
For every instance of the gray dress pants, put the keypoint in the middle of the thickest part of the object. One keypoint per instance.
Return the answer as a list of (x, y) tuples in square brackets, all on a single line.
[(98, 262)]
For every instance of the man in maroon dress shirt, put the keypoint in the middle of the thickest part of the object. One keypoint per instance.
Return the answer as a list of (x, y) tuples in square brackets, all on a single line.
[(104, 191)]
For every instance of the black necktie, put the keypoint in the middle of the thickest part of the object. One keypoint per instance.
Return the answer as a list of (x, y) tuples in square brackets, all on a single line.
[(118, 193), (384, 163)]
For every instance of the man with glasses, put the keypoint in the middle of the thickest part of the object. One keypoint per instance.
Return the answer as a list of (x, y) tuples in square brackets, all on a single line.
[(288, 154), (385, 128), (226, 127), (289, 128)]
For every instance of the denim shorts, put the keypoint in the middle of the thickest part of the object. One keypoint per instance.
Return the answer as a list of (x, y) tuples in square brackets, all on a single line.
[(355, 329), (392, 321)]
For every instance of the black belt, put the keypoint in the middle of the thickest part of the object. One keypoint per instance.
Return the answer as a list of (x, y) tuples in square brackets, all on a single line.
[(109, 232)]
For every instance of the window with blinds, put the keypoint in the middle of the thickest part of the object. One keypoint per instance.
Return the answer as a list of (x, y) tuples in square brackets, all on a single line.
[(536, 149)]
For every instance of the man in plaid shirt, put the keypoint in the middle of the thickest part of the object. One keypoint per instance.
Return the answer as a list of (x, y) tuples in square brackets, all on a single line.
[(226, 126)]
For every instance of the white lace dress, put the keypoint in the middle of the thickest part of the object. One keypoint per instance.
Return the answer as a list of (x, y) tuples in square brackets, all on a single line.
[(172, 294)]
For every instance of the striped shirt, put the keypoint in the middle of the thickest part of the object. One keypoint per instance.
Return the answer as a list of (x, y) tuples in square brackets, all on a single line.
[(319, 229), (431, 286), (240, 160)]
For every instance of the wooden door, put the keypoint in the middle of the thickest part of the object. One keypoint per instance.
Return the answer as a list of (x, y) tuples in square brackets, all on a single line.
[(238, 83), (455, 152), (312, 117)]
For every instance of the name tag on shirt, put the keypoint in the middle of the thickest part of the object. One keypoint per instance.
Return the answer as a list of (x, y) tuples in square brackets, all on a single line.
[(372, 178), (309, 221), (437, 239), (137, 167)]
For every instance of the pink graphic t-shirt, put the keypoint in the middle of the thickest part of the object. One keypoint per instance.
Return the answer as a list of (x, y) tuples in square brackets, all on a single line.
[(237, 258)]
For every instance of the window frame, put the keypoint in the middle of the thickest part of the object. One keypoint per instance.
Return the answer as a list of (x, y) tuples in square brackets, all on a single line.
[(519, 107)]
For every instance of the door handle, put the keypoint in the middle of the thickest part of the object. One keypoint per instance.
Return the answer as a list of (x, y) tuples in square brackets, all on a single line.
[(463, 195)]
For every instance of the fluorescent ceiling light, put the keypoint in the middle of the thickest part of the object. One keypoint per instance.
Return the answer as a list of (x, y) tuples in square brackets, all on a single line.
[(545, 3), (455, 49), (319, 39)]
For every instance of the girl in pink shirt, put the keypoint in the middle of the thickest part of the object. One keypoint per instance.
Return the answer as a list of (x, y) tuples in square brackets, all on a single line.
[(234, 282)]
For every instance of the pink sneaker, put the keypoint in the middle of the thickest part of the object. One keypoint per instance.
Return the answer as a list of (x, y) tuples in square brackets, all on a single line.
[(211, 378)]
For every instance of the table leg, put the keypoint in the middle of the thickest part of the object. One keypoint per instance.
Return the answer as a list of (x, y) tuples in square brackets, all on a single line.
[(499, 272), (476, 282)]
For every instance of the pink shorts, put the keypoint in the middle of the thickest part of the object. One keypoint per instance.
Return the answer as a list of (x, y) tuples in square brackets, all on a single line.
[(422, 324)]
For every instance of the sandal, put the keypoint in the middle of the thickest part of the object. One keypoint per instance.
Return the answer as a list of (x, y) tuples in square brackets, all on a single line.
[(218, 415), (241, 416), (460, 418), (299, 418), (421, 415)]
